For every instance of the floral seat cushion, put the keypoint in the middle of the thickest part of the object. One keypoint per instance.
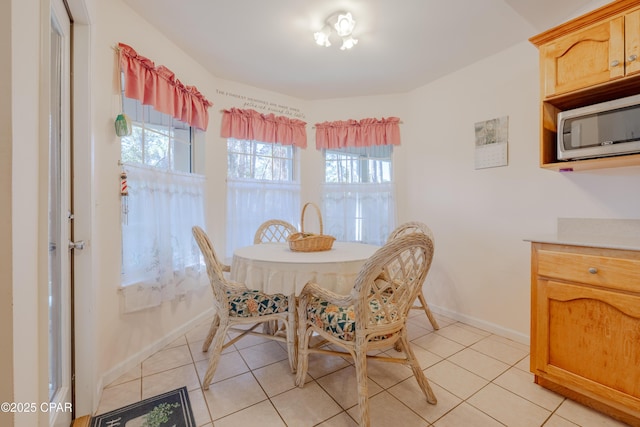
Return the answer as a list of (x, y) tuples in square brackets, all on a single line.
[(252, 303), (338, 321)]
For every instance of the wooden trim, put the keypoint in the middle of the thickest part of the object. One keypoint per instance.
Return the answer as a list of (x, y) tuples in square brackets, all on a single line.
[(590, 18), (84, 421), (620, 415)]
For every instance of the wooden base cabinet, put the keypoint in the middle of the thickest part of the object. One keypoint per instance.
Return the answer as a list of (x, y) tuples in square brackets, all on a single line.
[(585, 326)]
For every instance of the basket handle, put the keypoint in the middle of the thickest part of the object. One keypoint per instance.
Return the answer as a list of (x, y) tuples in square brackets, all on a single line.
[(304, 208)]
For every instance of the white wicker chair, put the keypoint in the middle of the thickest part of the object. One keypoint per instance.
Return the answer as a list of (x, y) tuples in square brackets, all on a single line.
[(417, 227), (273, 230), (235, 304), (373, 316)]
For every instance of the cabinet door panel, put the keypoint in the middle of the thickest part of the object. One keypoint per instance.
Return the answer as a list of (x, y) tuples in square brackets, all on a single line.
[(592, 339), (585, 58), (632, 42)]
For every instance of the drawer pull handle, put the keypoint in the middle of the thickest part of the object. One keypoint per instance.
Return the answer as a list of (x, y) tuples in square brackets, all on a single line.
[(593, 270)]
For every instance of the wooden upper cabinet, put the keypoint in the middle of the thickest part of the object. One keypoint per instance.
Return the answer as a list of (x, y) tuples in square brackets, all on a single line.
[(586, 58), (632, 42), (590, 59)]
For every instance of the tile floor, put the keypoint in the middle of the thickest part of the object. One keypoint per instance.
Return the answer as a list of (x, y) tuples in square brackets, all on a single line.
[(480, 379)]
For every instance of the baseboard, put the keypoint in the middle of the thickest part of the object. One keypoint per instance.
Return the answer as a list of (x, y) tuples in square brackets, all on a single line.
[(84, 421), (125, 366), (482, 324)]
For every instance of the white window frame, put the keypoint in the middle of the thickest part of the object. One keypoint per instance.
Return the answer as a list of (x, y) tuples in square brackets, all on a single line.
[(358, 198), (257, 196)]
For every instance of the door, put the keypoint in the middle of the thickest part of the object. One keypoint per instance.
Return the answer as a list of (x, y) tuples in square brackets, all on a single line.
[(59, 222)]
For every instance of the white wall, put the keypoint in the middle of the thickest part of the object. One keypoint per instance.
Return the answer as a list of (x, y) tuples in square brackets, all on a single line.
[(480, 217), (124, 339)]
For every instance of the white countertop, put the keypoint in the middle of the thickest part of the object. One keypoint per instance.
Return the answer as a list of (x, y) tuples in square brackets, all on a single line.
[(599, 233)]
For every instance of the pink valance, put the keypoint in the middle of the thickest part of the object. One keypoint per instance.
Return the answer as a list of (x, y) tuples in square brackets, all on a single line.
[(358, 133), (251, 125), (159, 87)]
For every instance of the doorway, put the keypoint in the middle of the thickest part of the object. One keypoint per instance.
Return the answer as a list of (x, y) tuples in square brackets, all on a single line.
[(60, 301)]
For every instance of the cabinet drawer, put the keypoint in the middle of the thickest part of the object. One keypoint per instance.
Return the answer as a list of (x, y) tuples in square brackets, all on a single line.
[(614, 273)]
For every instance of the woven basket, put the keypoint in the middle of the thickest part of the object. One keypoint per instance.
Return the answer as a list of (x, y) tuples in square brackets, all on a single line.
[(310, 242)]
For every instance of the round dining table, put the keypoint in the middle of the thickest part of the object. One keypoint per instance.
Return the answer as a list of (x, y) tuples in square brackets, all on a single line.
[(274, 268)]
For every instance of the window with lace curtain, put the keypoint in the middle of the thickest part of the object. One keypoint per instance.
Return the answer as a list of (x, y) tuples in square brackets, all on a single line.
[(358, 195), (261, 185), (160, 259)]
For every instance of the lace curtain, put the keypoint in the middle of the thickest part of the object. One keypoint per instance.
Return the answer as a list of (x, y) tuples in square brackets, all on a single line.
[(160, 258), (250, 203), (359, 212)]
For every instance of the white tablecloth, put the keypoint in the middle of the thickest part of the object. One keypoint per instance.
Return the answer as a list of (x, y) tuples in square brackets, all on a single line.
[(274, 268)]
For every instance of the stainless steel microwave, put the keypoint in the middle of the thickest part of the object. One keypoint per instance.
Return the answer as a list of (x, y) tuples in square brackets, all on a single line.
[(607, 129)]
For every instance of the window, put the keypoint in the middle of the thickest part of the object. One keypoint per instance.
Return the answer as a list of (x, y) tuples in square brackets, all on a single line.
[(358, 195), (261, 185), (259, 161), (160, 259), (157, 140)]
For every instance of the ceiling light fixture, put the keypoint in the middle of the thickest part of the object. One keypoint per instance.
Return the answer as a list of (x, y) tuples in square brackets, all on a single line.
[(343, 24)]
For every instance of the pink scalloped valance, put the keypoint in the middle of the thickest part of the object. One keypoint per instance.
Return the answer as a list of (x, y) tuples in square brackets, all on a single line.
[(358, 133), (251, 125), (159, 87)]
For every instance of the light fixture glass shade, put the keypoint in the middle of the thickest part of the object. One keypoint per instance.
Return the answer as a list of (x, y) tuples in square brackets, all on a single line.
[(348, 43), (322, 37), (345, 24)]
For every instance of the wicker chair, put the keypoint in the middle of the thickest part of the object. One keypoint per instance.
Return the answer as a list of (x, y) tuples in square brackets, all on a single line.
[(373, 316), (417, 227), (235, 304), (273, 230)]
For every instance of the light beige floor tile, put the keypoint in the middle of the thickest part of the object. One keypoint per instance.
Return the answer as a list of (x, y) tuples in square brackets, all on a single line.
[(521, 383), (478, 363), (409, 393), (508, 408), (584, 416), (341, 420), (455, 379), (320, 365), (262, 414), (385, 410), (556, 421), (460, 335), (229, 365), (183, 376), (305, 406), (512, 343), (276, 378), (167, 359), (249, 340), (424, 357), (342, 386), (120, 395), (524, 364), (443, 347), (444, 320), (232, 395), (474, 329), (133, 374), (418, 328), (199, 333), (465, 415), (501, 350), (182, 340), (387, 374), (197, 354), (261, 355), (199, 407)]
